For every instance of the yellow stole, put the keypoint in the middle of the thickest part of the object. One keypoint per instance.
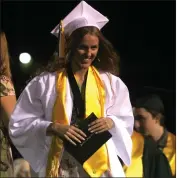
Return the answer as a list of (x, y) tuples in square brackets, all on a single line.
[(98, 163), (170, 152), (136, 167)]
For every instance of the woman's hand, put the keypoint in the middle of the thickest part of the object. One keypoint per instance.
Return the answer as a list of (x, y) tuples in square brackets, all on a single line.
[(68, 132), (101, 125)]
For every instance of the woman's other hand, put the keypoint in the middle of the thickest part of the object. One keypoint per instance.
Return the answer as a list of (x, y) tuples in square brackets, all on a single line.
[(101, 125)]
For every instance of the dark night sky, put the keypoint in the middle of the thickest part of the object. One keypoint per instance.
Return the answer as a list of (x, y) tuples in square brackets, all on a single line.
[(143, 32)]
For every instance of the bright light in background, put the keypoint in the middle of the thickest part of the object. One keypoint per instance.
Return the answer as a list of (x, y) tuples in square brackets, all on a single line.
[(25, 58)]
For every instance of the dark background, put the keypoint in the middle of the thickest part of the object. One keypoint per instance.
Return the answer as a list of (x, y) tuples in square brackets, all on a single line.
[(143, 32)]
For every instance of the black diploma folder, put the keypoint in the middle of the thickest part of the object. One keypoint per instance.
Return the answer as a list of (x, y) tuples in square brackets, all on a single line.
[(82, 151)]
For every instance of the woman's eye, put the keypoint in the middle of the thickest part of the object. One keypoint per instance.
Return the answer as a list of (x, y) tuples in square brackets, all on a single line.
[(94, 47), (82, 47)]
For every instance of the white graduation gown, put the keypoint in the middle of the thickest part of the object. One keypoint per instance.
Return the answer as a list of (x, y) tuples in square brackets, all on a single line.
[(33, 114)]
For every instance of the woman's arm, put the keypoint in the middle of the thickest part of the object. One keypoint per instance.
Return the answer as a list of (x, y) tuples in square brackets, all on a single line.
[(120, 111), (28, 118), (118, 117)]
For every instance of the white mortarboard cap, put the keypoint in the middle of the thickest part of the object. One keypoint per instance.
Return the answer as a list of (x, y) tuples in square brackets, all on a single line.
[(81, 16)]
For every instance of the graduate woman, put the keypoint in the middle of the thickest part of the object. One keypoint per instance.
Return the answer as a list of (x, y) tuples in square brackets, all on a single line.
[(46, 114)]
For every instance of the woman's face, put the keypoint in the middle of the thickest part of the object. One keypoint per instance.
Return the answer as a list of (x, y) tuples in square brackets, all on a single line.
[(86, 51)]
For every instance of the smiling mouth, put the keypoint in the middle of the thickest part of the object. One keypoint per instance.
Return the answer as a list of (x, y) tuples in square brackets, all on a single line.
[(86, 60)]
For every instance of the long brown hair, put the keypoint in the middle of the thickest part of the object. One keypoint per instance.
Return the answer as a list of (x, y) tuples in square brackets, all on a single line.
[(4, 54), (107, 59)]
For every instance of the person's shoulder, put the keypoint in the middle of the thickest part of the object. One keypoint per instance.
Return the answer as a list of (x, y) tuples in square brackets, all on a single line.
[(46, 75), (138, 143), (172, 138), (43, 78), (137, 137), (108, 77), (108, 74), (41, 84), (172, 135), (6, 86), (171, 144), (4, 78)]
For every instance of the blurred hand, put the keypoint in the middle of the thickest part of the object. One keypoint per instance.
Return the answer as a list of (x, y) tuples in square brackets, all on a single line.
[(22, 168), (23, 173), (101, 125)]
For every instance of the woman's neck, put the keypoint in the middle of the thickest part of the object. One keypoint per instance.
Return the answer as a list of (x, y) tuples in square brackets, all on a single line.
[(79, 72)]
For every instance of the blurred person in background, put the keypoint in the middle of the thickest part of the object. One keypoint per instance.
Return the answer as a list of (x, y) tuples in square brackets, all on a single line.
[(154, 147), (7, 104)]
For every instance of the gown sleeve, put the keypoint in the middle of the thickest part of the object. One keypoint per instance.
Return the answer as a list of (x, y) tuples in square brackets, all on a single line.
[(120, 111), (28, 124)]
